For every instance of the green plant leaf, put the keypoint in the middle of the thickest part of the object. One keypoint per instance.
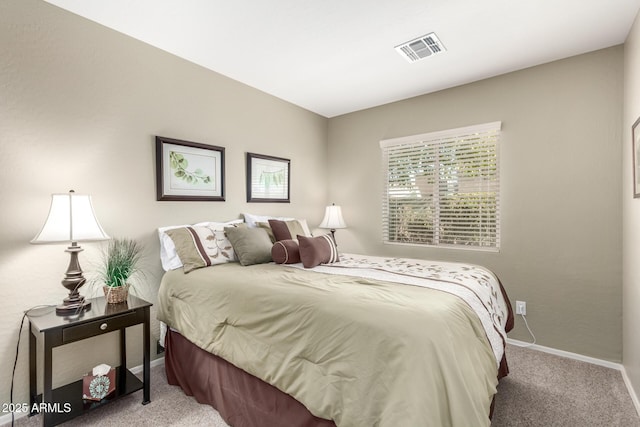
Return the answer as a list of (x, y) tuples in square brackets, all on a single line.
[(179, 163)]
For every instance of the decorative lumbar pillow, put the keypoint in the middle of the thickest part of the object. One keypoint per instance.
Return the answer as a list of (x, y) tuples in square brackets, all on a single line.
[(285, 252), (287, 230), (199, 247), (317, 250), (251, 245)]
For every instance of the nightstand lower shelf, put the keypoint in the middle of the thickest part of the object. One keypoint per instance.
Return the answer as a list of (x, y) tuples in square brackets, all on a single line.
[(68, 398)]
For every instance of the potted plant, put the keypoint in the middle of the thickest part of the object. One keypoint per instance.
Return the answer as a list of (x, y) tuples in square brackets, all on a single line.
[(121, 261)]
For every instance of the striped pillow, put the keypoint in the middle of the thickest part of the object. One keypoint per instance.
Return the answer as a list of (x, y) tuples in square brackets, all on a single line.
[(317, 250), (199, 247)]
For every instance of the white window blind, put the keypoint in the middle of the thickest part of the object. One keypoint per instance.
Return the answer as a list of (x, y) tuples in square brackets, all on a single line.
[(443, 188)]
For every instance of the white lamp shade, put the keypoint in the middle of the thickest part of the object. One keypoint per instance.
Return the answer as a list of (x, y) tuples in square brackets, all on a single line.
[(71, 219), (333, 218)]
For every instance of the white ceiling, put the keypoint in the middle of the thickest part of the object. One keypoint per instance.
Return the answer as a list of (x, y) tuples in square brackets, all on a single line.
[(337, 56)]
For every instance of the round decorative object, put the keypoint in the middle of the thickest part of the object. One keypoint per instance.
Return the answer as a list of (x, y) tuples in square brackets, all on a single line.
[(99, 386)]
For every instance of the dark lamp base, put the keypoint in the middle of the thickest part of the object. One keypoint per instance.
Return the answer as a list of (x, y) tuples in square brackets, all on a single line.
[(74, 303), (73, 306)]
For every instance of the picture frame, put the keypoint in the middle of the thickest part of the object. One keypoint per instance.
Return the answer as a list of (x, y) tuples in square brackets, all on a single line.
[(635, 136), (268, 179), (189, 171)]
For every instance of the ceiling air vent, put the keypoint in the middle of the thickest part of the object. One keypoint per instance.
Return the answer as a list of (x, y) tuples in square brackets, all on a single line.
[(421, 48)]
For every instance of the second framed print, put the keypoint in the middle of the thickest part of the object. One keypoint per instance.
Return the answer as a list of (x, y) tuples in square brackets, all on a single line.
[(268, 178), (189, 170)]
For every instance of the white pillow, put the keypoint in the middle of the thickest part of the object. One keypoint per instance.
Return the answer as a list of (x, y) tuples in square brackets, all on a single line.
[(219, 226), (252, 220), (168, 255)]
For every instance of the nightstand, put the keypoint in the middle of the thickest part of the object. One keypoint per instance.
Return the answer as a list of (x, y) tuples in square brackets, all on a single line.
[(65, 402)]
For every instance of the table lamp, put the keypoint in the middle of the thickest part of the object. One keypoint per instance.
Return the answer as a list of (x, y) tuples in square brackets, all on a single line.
[(71, 219), (333, 220)]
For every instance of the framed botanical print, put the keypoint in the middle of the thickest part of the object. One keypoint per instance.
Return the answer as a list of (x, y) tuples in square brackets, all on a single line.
[(635, 135), (268, 178), (189, 171)]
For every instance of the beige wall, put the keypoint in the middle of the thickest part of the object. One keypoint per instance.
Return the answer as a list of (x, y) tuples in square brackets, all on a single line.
[(79, 108), (560, 177), (631, 212), (80, 105)]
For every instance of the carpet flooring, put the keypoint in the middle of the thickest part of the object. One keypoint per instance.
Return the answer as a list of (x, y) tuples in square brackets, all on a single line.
[(548, 390), (541, 390)]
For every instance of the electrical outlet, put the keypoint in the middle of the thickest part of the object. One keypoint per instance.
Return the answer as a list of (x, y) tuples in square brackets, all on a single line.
[(521, 308)]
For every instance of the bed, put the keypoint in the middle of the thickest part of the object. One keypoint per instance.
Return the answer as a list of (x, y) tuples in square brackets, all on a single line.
[(366, 341)]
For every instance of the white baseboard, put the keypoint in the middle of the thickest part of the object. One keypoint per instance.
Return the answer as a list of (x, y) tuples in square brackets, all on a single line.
[(6, 419), (582, 358), (632, 392), (156, 362), (566, 354)]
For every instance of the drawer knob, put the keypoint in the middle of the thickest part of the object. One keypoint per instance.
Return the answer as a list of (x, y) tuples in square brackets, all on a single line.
[(103, 326)]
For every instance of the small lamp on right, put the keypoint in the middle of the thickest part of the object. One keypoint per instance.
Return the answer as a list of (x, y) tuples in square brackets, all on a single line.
[(333, 220)]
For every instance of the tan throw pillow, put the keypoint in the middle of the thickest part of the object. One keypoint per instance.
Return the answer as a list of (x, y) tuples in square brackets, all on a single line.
[(317, 250), (287, 230), (285, 252), (251, 245), (201, 247), (267, 227)]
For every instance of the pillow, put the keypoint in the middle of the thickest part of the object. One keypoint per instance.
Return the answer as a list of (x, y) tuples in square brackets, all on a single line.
[(285, 252), (268, 229), (199, 247), (317, 250), (168, 255), (286, 230), (252, 220), (219, 226), (251, 245)]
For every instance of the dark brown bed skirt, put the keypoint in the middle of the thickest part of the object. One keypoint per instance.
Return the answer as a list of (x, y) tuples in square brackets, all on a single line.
[(241, 399)]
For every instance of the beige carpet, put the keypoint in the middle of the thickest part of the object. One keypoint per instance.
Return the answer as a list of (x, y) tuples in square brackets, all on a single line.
[(541, 390), (548, 390)]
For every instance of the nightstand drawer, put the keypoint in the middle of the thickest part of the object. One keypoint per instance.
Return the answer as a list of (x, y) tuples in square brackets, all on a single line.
[(98, 327)]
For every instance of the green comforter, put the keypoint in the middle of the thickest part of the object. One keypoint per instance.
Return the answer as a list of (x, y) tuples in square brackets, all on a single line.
[(362, 352)]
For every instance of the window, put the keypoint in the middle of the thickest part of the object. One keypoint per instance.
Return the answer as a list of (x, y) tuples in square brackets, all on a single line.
[(443, 188)]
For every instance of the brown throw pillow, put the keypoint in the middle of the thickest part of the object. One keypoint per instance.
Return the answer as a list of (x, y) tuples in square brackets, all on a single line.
[(317, 250), (287, 230), (285, 252)]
